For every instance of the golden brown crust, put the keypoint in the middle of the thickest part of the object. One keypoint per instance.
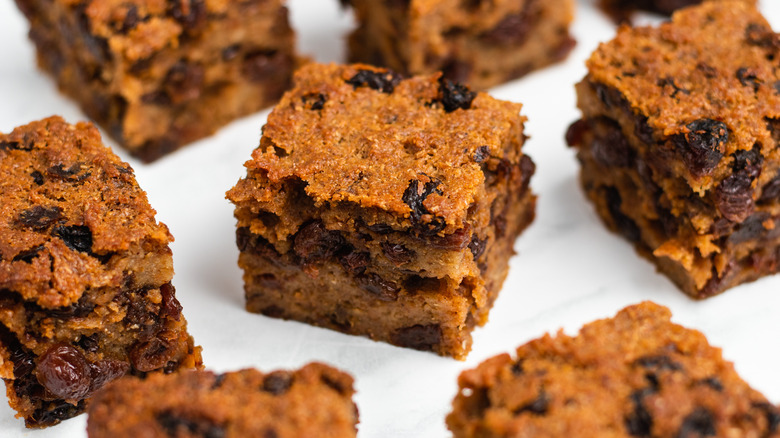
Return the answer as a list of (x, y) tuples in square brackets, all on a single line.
[(709, 62), (313, 401), (68, 204), (636, 374), (390, 134)]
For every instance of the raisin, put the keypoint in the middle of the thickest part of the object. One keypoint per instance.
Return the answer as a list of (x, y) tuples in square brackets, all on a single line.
[(454, 96), (54, 412), (527, 170), (748, 78), (702, 146), (177, 425), (420, 337), (658, 362), (150, 355), (273, 311), (16, 145), (314, 101), (64, 372), (106, 370), (89, 343), (231, 52), (712, 382), (382, 289), (414, 198), (707, 70), (481, 154), (219, 379), (29, 255), (639, 422), (538, 406), (670, 82), (76, 237), (698, 423), (190, 13), (83, 307), (512, 30), (131, 19), (313, 242), (624, 224), (24, 362), (277, 383), (382, 81), (397, 253), (170, 307), (771, 191), (39, 218), (37, 177), (262, 65), (751, 228), (576, 132), (610, 97), (749, 162), (380, 228), (355, 262), (759, 35), (776, 86), (734, 197), (71, 174), (612, 149), (454, 241), (771, 413), (517, 368), (184, 81), (477, 246), (336, 385)]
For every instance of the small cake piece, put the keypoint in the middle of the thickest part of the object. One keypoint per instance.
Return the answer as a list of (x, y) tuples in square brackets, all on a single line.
[(480, 43), (680, 144), (159, 74), (634, 375), (315, 401), (85, 274), (621, 9), (383, 206)]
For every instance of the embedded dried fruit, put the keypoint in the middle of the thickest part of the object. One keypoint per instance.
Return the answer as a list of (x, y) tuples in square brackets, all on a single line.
[(64, 372), (277, 383), (702, 147), (40, 218), (419, 337), (383, 81), (454, 95), (76, 237)]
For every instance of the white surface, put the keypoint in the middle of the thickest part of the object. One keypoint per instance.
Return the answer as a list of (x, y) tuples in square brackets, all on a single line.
[(569, 270)]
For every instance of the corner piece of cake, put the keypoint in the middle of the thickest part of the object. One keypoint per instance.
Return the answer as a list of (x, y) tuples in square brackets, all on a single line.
[(315, 401), (476, 42), (157, 75), (383, 206), (85, 273), (679, 143), (634, 375)]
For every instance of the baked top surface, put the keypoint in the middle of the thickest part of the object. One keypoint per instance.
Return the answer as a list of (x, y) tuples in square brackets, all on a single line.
[(69, 204), (718, 61), (569, 269), (313, 401), (368, 146), (637, 374)]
